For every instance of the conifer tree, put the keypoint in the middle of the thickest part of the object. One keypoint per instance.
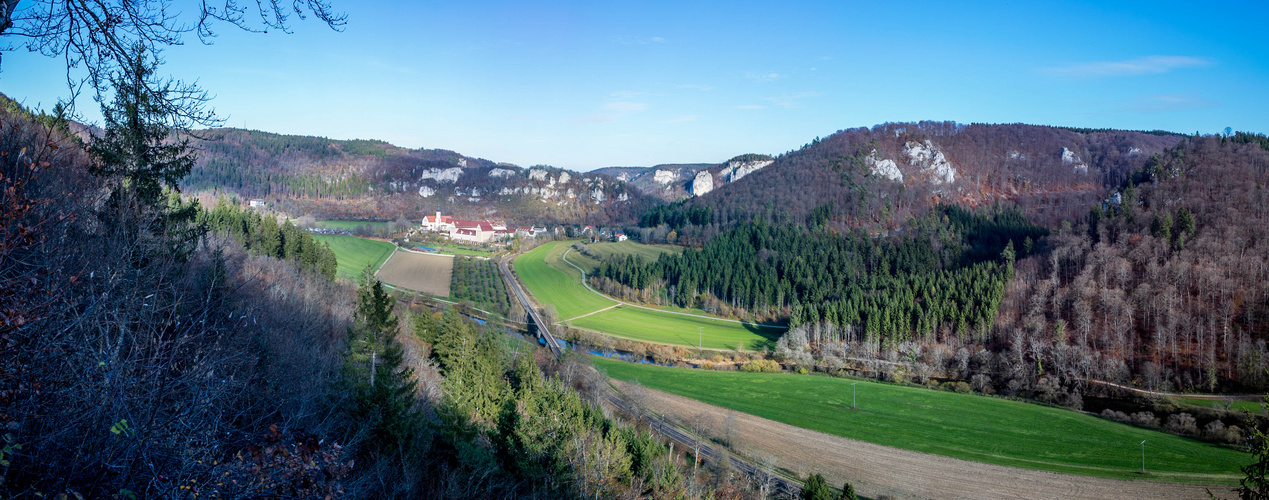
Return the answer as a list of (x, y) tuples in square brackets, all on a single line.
[(815, 488), (374, 371)]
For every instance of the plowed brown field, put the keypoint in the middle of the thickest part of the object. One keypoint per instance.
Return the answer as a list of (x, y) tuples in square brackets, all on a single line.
[(420, 272)]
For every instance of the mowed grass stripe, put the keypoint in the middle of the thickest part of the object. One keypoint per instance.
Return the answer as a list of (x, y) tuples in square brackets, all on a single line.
[(629, 247), (551, 281), (352, 254), (664, 328), (964, 426)]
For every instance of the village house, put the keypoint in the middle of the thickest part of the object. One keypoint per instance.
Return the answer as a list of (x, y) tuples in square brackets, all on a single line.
[(469, 231)]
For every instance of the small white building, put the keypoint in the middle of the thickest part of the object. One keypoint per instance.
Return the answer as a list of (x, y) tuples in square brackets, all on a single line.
[(622, 237), (438, 223)]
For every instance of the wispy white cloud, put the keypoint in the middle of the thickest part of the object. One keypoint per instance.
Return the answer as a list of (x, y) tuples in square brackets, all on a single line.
[(768, 76), (1151, 65), (751, 106), (625, 94), (626, 106), (1163, 103), (683, 119), (628, 40), (792, 100), (595, 118), (694, 86)]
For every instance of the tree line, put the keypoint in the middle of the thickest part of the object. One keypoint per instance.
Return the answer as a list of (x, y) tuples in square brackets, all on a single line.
[(264, 236), (951, 273)]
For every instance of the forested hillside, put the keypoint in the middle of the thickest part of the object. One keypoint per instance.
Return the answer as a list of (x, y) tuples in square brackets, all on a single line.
[(948, 274), (156, 349), (1170, 277), (878, 178), (362, 179)]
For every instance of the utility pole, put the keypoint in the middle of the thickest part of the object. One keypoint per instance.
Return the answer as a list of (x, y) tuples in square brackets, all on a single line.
[(1143, 456), (852, 396)]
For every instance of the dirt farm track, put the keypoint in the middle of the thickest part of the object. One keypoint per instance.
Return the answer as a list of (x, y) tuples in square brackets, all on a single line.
[(877, 470), (427, 273)]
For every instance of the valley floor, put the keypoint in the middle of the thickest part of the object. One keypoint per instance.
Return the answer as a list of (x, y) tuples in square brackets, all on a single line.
[(877, 470)]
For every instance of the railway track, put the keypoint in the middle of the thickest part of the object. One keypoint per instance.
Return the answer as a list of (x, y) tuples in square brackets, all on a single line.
[(542, 331), (660, 424)]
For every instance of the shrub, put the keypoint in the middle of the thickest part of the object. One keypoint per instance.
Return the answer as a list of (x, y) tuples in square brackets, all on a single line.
[(1181, 423), (1214, 430), (961, 387), (760, 366), (1233, 435), (802, 371), (1144, 419), (718, 358), (1115, 415)]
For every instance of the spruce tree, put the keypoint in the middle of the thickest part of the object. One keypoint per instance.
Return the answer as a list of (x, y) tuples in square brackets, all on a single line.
[(816, 488), (848, 492), (374, 371), (139, 156)]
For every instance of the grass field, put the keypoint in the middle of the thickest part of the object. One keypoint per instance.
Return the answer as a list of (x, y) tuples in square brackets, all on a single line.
[(452, 249), (1247, 406), (964, 426), (352, 254), (552, 281), (349, 225), (664, 328), (628, 247), (419, 272)]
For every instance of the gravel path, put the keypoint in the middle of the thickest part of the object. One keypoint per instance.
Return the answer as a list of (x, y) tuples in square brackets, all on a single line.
[(877, 470)]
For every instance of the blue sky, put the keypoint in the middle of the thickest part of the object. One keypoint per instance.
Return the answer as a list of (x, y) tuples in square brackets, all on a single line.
[(584, 85)]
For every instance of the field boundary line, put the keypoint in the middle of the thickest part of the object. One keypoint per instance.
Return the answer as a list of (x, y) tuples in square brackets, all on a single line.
[(587, 285), (593, 312), (385, 261)]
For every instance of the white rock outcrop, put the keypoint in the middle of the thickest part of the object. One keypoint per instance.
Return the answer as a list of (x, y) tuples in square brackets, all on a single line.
[(450, 175), (501, 173), (426, 192), (598, 195), (623, 177), (932, 161), (1134, 151), (664, 177), (884, 168), (622, 197), (702, 183), (462, 162), (739, 169), (1071, 158), (564, 177), (537, 174)]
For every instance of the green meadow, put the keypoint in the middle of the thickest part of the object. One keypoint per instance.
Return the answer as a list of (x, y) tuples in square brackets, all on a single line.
[(966, 426), (353, 254), (553, 281)]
